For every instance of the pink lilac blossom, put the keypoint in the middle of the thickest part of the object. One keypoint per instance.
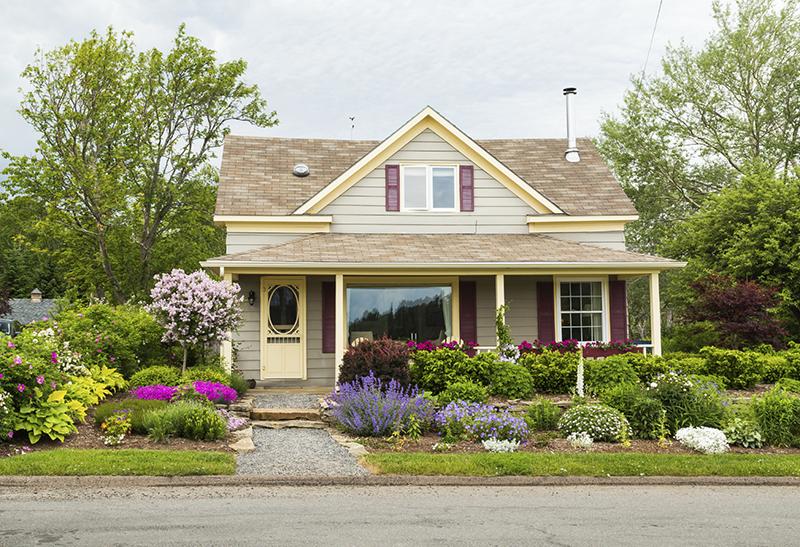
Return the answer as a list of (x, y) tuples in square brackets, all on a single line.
[(193, 308)]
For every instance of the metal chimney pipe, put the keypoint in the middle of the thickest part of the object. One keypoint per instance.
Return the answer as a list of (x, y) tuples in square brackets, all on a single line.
[(571, 154)]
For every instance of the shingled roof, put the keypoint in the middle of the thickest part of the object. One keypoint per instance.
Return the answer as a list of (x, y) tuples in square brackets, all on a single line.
[(339, 249), (256, 176)]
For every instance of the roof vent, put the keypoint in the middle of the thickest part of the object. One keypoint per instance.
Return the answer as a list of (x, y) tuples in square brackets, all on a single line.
[(301, 170), (571, 155)]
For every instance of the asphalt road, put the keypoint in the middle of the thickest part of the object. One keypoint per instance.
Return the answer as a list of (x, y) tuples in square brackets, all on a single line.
[(571, 515)]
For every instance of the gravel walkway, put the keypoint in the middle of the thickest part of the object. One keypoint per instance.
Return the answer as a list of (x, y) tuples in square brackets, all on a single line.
[(287, 400), (295, 452)]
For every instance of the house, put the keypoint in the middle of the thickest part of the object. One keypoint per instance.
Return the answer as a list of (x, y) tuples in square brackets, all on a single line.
[(420, 236), (26, 310)]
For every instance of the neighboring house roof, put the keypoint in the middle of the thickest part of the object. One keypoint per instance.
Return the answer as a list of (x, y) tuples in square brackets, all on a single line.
[(26, 310), (340, 249), (256, 175)]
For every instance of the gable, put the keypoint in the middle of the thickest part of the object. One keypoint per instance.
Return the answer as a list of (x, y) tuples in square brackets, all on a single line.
[(429, 119), (361, 207)]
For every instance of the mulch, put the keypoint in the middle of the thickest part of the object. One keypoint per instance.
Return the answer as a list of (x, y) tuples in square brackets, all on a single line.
[(550, 442)]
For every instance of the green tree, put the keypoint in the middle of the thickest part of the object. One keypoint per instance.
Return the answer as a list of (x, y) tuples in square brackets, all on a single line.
[(121, 167), (692, 130), (750, 230)]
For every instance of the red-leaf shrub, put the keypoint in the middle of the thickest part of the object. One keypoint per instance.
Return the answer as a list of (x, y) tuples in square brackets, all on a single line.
[(740, 311), (387, 358)]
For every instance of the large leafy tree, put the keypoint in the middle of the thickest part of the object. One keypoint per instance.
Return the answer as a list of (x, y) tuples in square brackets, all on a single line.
[(121, 167), (686, 133)]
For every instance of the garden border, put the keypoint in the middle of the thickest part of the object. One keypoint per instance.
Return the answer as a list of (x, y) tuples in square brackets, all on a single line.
[(56, 482)]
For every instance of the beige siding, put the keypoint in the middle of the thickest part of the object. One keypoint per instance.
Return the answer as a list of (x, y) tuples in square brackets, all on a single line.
[(613, 240), (239, 242), (522, 314), (362, 207), (247, 343)]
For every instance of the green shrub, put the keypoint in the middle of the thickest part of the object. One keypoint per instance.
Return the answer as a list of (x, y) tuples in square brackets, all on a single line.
[(741, 369), (602, 374), (511, 381), (137, 408), (463, 390), (690, 337), (386, 358), (775, 366), (600, 422), (186, 419), (552, 371), (238, 382), (434, 370), (150, 376), (777, 414), (688, 400), (543, 415), (125, 337), (789, 384), (645, 414), (206, 374)]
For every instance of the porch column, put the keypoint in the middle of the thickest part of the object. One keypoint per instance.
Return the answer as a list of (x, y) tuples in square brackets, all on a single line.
[(655, 314), (339, 331), (226, 347), (499, 293)]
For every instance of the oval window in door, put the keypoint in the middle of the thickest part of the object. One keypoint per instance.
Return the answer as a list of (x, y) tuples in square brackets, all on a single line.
[(283, 317)]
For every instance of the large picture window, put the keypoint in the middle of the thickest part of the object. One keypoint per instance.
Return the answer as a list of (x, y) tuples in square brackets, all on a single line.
[(581, 310), (400, 312), (429, 187)]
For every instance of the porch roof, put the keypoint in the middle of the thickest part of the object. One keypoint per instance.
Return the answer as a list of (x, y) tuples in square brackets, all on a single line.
[(337, 251)]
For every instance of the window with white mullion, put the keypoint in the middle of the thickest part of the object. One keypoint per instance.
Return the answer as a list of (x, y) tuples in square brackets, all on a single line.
[(429, 188), (581, 310)]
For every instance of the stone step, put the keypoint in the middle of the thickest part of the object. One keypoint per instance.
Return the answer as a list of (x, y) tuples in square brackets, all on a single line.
[(289, 424), (283, 414)]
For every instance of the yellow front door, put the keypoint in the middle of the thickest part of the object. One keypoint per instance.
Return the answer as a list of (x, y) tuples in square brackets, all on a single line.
[(283, 328)]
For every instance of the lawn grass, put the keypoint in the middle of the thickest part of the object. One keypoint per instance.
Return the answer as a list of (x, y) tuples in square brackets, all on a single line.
[(73, 461), (589, 464)]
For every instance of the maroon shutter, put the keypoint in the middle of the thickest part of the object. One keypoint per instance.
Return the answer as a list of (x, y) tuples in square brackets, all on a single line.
[(546, 315), (392, 187), (468, 311), (328, 317), (467, 184), (619, 309)]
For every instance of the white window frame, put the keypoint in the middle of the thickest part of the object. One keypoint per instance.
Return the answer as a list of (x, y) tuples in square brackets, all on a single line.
[(605, 316), (429, 188)]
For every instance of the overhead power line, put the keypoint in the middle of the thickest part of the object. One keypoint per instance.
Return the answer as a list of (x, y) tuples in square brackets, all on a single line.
[(652, 38)]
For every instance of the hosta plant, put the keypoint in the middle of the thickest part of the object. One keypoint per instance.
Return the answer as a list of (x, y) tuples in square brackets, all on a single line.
[(743, 432), (707, 440)]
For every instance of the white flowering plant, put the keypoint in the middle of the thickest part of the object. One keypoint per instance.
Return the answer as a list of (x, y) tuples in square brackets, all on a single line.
[(501, 445), (195, 309), (600, 422), (581, 440), (707, 440)]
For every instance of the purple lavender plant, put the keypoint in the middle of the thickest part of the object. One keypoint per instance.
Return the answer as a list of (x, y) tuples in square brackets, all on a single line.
[(366, 407), (479, 422)]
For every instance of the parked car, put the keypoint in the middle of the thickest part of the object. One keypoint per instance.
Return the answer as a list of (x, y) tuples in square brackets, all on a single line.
[(10, 327)]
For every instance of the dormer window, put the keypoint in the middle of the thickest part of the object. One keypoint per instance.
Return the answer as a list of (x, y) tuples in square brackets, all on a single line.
[(428, 187)]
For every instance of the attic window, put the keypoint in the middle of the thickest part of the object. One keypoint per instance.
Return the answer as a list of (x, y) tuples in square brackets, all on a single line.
[(429, 187)]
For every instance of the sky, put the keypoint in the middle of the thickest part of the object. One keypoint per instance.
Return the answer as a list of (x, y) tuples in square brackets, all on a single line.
[(495, 68)]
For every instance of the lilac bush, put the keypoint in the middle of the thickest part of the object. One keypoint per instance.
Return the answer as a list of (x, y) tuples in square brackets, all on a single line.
[(479, 422), (156, 392), (194, 309), (367, 407), (215, 392)]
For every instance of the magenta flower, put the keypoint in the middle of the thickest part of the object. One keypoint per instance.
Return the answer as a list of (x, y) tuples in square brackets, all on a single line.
[(11, 344), (40, 379), (156, 392), (53, 385), (17, 360), (54, 357), (10, 434), (215, 392), (1, 376), (20, 387)]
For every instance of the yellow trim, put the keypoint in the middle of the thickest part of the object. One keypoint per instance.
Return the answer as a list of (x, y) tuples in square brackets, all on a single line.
[(300, 281), (448, 270), (428, 119), (298, 224), (226, 346), (566, 223), (453, 281)]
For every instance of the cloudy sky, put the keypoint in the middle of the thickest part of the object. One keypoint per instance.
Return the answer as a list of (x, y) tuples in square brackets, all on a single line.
[(494, 67)]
